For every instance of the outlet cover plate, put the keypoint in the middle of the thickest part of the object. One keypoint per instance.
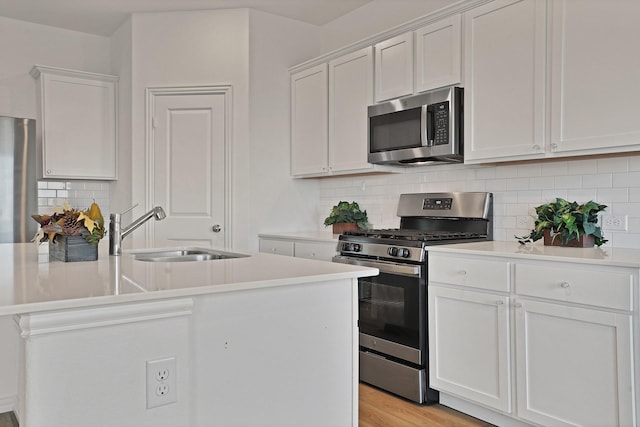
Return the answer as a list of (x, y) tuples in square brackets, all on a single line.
[(162, 382)]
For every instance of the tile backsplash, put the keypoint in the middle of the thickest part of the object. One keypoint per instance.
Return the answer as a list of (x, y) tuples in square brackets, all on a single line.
[(517, 187), (80, 194)]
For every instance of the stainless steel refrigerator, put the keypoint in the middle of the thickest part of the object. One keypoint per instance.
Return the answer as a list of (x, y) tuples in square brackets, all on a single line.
[(18, 183)]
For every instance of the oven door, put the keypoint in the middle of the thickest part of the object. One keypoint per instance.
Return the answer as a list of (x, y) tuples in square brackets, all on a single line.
[(392, 310)]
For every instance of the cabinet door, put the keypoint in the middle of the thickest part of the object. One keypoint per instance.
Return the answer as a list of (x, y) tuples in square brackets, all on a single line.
[(309, 121), (315, 250), (595, 77), (394, 67), (574, 365), (504, 81), (350, 93), (438, 54), (277, 247), (77, 124), (469, 346)]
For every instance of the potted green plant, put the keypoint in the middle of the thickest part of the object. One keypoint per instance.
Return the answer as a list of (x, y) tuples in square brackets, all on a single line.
[(346, 216), (563, 223)]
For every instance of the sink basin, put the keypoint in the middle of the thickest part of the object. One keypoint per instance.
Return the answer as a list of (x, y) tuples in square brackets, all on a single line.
[(184, 255)]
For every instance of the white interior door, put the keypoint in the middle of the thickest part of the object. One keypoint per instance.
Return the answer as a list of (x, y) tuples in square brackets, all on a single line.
[(189, 153)]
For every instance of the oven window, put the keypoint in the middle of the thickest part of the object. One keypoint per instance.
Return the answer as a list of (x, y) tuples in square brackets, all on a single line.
[(390, 306)]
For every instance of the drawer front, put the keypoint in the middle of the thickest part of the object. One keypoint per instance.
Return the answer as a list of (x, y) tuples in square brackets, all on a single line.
[(610, 288), (320, 251), (482, 273), (278, 247)]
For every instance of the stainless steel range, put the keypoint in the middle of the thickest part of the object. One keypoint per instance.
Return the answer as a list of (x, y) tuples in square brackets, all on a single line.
[(393, 305)]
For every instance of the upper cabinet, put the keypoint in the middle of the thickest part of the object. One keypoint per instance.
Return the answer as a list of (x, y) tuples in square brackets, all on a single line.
[(350, 92), (329, 117), (394, 67), (309, 96), (595, 76), (586, 104), (77, 124), (420, 60), (438, 54), (504, 80)]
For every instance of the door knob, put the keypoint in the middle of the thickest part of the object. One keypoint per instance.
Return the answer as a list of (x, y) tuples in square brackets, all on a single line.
[(216, 228)]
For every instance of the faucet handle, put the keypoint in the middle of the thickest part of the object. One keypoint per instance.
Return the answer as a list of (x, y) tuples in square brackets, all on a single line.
[(130, 209)]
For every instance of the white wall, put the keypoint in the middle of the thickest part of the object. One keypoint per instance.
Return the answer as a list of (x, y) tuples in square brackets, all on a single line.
[(23, 45), (192, 49), (276, 202)]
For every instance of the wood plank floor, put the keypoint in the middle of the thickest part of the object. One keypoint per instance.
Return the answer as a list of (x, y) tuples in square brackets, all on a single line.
[(8, 420), (381, 409)]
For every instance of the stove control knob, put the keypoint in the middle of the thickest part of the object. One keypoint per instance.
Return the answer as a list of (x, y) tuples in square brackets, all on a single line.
[(357, 247), (392, 251), (404, 253)]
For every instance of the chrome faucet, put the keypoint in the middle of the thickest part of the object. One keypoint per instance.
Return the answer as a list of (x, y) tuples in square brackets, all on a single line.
[(117, 233)]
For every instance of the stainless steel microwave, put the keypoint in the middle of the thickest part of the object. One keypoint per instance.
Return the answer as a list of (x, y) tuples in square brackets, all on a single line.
[(419, 129)]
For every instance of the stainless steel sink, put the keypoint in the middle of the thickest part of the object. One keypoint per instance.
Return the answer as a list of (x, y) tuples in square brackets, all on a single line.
[(183, 255)]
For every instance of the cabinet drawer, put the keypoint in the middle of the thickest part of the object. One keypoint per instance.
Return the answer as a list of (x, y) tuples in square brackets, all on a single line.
[(321, 251), (278, 247), (609, 288), (483, 273)]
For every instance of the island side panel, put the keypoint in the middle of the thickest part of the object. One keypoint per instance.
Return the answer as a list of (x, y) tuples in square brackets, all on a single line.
[(87, 367), (8, 364), (282, 356)]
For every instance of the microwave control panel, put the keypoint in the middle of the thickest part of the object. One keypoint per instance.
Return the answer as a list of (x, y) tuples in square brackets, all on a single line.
[(440, 119)]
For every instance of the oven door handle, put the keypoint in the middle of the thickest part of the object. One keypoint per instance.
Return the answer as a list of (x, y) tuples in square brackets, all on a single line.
[(384, 267)]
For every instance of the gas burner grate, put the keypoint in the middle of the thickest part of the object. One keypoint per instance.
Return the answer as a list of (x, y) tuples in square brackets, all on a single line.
[(419, 235)]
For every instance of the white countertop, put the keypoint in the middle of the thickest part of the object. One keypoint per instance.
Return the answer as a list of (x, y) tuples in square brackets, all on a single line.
[(316, 236), (617, 257), (30, 282)]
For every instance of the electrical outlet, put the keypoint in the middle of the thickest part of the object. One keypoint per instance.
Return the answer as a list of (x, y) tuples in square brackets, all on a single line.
[(162, 382), (614, 223)]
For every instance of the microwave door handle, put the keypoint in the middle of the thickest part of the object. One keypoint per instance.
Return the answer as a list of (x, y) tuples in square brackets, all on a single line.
[(426, 122)]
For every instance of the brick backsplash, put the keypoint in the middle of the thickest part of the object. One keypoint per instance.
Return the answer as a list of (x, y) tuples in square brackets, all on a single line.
[(79, 194), (517, 188)]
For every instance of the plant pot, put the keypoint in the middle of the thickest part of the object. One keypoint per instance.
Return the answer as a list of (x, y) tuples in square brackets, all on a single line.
[(340, 227), (72, 248), (585, 241)]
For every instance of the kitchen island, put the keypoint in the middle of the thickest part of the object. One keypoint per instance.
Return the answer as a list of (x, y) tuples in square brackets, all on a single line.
[(257, 340)]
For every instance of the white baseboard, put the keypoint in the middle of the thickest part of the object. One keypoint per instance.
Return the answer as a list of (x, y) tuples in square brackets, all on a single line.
[(8, 403), (480, 412)]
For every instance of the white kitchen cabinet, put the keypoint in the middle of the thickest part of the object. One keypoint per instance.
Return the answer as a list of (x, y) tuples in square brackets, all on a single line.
[(300, 245), (438, 54), (470, 345), (329, 117), (574, 365), (595, 77), (350, 93), (77, 130), (394, 67), (309, 121), (504, 80), (277, 247), (555, 348)]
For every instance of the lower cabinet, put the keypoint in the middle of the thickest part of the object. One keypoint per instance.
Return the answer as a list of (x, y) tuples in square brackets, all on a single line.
[(469, 345), (574, 365), (323, 250), (555, 348)]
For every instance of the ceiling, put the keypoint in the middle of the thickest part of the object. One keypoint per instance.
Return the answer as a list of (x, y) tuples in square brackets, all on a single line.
[(103, 17)]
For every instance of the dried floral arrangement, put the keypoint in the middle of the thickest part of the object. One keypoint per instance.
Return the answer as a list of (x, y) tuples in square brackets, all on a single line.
[(67, 221)]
